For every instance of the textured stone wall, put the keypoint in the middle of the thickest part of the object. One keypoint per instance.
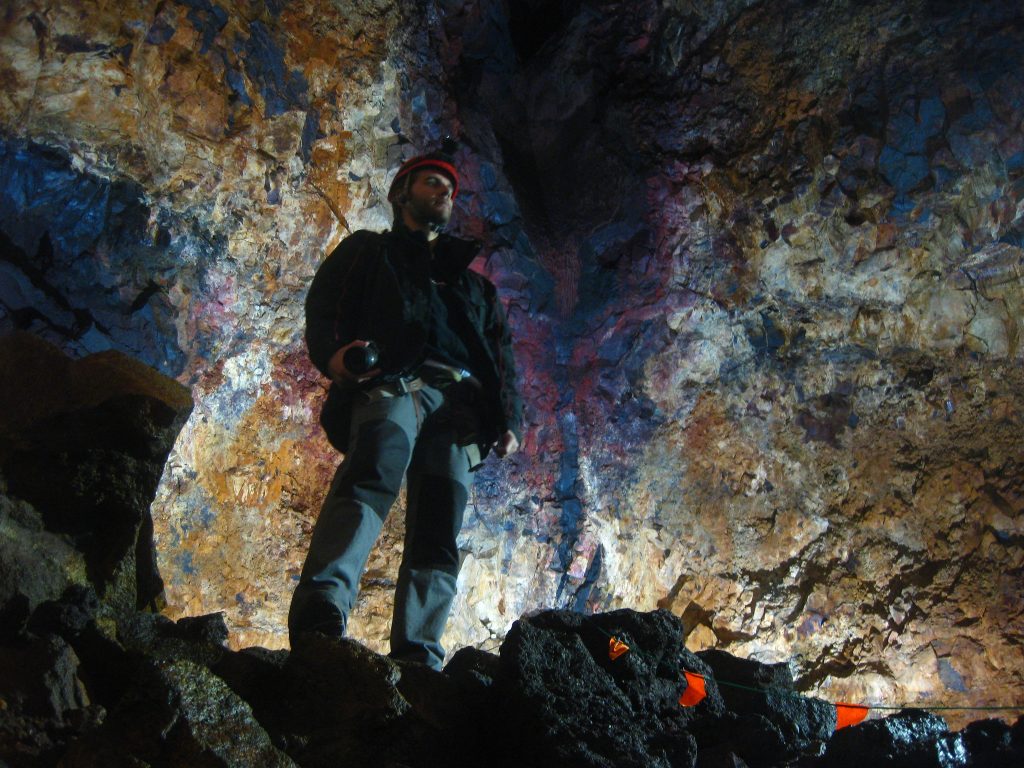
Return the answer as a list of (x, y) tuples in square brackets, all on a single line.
[(763, 261), (784, 246)]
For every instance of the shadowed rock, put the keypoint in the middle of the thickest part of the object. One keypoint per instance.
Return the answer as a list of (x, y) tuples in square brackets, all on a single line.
[(177, 713), (574, 705), (765, 701), (910, 739), (84, 442), (36, 565)]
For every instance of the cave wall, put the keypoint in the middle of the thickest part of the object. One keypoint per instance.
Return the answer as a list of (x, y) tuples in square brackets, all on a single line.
[(762, 259), (784, 240)]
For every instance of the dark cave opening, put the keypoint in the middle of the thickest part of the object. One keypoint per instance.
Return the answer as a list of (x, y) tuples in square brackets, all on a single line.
[(534, 23)]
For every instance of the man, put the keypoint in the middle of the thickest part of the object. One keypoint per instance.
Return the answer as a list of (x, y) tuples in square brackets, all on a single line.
[(440, 395)]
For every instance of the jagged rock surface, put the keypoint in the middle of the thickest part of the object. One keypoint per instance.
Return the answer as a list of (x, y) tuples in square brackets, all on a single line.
[(762, 259)]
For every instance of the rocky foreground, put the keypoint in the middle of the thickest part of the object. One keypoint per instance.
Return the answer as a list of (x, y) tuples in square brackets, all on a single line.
[(150, 692), (91, 675)]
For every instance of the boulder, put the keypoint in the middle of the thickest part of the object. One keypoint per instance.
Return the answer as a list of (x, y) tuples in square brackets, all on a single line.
[(85, 443), (177, 714), (36, 565)]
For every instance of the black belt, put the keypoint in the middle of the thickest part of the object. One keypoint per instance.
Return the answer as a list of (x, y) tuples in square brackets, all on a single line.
[(431, 373)]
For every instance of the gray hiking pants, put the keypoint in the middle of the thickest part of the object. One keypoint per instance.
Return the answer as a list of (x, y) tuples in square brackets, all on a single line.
[(427, 436)]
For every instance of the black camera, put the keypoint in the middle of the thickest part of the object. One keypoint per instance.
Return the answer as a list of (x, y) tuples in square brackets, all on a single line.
[(360, 360)]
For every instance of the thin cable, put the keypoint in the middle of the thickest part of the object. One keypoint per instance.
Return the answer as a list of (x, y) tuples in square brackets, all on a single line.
[(885, 707), (943, 708)]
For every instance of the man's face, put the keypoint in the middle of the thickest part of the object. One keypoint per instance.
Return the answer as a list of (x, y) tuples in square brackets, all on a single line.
[(429, 205)]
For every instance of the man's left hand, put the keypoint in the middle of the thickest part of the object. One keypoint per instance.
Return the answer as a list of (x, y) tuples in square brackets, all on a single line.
[(507, 444)]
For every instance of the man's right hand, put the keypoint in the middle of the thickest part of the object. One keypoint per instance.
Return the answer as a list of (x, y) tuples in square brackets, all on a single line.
[(340, 374), (507, 444)]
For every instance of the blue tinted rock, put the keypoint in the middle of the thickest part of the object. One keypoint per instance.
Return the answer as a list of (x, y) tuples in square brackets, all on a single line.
[(282, 89), (904, 172)]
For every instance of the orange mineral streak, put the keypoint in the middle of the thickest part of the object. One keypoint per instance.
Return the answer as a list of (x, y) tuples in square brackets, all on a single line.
[(695, 691), (849, 714), (327, 177), (317, 36), (616, 648)]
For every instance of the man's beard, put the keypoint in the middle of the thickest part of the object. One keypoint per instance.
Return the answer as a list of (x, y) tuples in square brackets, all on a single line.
[(428, 215)]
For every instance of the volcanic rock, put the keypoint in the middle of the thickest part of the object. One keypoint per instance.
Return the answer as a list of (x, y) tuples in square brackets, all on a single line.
[(84, 443)]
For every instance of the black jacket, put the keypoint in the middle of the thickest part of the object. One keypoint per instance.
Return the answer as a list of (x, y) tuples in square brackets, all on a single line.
[(376, 287)]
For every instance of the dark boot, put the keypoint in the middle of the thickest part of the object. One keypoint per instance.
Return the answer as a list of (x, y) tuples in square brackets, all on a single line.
[(316, 614)]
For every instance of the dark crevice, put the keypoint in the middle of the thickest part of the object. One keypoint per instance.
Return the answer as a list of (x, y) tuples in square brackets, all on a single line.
[(143, 298), (534, 23), (26, 317), (525, 176)]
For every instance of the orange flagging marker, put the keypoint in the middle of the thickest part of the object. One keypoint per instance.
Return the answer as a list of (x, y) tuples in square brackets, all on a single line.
[(695, 692), (616, 648), (849, 714)]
